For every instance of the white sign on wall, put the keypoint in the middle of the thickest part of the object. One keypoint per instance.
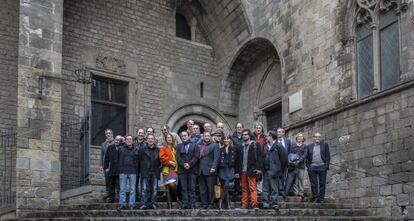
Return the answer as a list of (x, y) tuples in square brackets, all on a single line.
[(295, 102)]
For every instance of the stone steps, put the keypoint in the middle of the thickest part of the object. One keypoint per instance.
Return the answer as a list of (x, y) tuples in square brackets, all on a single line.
[(163, 205), (217, 218), (291, 208), (197, 213)]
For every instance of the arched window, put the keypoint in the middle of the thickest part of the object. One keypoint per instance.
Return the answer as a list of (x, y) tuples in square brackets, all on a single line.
[(377, 46), (181, 27)]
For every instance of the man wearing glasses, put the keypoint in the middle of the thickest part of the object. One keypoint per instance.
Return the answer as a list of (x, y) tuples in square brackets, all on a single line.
[(317, 161)]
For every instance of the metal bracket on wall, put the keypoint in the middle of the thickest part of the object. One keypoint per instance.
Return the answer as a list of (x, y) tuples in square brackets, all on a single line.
[(82, 76)]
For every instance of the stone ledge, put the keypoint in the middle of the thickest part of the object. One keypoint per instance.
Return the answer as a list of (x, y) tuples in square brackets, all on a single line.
[(78, 192)]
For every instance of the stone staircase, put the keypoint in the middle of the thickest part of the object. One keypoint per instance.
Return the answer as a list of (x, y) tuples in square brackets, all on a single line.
[(291, 208)]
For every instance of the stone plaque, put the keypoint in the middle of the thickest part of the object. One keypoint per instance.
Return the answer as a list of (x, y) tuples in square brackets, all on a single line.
[(295, 102)]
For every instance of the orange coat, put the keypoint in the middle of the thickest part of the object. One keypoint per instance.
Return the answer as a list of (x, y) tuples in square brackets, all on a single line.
[(167, 155)]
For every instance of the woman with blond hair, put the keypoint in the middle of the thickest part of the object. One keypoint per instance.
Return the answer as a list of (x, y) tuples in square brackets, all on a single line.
[(296, 167), (169, 165)]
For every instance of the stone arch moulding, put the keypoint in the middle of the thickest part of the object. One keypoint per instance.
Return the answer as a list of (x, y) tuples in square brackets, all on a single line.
[(197, 112), (242, 46)]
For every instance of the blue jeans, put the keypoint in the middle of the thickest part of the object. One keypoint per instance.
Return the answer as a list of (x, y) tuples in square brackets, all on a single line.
[(149, 188), (123, 179)]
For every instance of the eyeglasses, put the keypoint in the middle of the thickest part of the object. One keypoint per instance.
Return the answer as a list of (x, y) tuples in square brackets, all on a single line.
[(245, 134)]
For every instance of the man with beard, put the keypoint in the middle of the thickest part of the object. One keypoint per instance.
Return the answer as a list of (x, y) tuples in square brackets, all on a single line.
[(209, 154), (249, 167)]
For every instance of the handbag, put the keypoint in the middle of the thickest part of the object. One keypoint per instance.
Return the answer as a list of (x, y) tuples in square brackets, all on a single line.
[(217, 190)]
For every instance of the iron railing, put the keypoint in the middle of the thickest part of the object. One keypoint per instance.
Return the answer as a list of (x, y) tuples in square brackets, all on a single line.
[(7, 170)]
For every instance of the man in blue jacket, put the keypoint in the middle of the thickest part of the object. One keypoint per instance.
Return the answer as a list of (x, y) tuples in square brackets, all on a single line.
[(317, 161)]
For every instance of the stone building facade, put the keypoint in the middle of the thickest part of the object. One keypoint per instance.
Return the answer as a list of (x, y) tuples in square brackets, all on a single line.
[(296, 64)]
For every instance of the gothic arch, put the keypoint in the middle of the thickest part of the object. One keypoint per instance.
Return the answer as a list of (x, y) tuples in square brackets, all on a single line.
[(239, 65)]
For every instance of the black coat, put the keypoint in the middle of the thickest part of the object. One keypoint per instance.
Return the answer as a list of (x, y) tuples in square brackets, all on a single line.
[(253, 162), (210, 159), (190, 157), (128, 160), (275, 160), (230, 159), (149, 161), (111, 159), (325, 154), (139, 145)]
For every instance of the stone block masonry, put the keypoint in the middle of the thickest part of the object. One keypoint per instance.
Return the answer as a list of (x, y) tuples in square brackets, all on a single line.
[(38, 169)]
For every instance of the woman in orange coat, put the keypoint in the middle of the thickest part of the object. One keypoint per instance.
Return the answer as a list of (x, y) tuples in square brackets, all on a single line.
[(169, 165)]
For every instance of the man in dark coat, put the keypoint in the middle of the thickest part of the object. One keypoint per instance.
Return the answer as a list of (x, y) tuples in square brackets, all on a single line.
[(111, 168), (275, 160), (187, 158), (209, 155), (139, 143), (286, 143), (150, 172), (318, 158), (109, 140)]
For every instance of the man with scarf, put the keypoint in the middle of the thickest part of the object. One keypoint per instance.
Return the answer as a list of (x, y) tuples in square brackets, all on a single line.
[(209, 153)]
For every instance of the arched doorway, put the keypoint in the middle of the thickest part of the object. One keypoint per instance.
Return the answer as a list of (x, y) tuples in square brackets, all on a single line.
[(184, 127), (199, 113), (254, 85)]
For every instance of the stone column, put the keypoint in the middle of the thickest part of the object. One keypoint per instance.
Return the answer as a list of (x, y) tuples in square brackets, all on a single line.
[(39, 114)]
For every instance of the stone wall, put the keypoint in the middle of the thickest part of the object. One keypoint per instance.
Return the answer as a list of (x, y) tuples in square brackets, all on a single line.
[(164, 72), (39, 112), (372, 153), (373, 135), (9, 37)]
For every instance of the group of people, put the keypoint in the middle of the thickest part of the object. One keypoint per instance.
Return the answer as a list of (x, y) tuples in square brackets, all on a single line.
[(250, 162)]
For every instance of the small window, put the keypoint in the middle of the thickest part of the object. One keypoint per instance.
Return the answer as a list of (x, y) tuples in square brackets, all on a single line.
[(109, 106), (182, 28)]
